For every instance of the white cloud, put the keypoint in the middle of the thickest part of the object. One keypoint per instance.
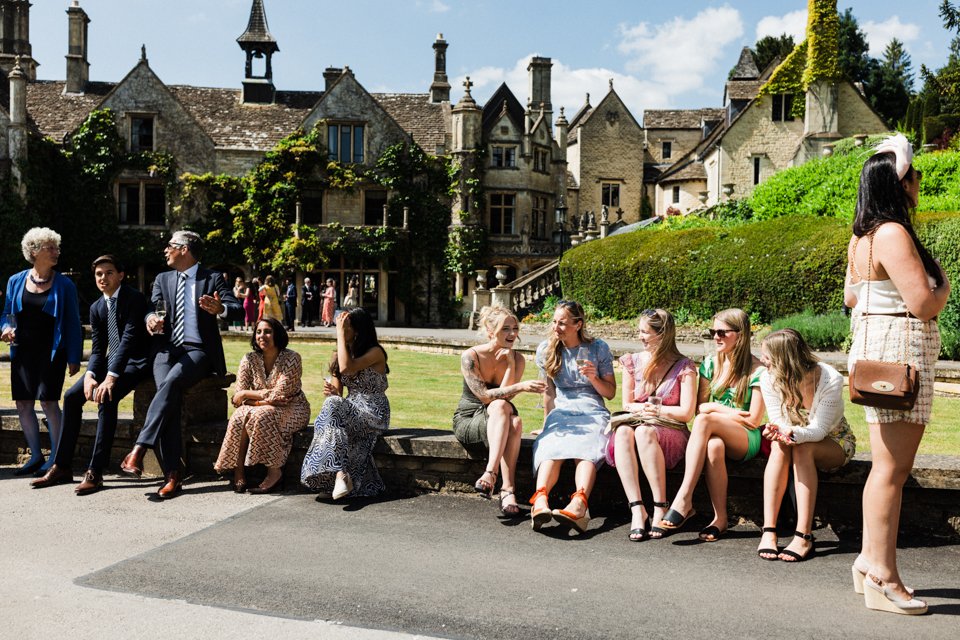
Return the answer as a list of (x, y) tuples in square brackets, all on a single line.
[(434, 6), (879, 34), (661, 62), (793, 24)]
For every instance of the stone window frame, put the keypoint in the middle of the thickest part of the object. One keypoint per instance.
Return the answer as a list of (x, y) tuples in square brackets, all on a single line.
[(506, 158), (129, 119), (611, 187), (666, 149), (499, 210), (541, 160), (334, 150), (781, 107), (143, 185), (675, 194), (540, 217)]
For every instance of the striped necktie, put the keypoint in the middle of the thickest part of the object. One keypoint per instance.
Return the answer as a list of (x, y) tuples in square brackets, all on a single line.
[(113, 331), (179, 311)]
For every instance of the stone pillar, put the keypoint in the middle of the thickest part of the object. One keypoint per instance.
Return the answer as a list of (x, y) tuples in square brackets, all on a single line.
[(17, 138), (78, 68)]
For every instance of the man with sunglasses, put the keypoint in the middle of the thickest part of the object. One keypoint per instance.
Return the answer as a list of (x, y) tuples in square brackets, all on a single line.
[(190, 348)]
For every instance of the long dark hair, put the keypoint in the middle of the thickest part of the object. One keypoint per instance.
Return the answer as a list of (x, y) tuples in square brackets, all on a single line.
[(882, 198), (364, 338)]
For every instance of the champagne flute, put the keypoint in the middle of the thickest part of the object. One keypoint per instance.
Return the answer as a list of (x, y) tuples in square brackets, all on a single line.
[(542, 377), (161, 309), (12, 324)]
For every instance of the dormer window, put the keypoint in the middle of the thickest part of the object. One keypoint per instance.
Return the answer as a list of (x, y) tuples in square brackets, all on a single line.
[(141, 133), (345, 143)]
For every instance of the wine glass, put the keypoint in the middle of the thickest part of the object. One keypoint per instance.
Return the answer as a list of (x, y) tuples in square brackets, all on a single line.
[(583, 355), (161, 309), (12, 324), (542, 377), (656, 402)]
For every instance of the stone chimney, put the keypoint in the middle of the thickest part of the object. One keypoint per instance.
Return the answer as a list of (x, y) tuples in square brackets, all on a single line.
[(539, 75), (78, 67), (440, 89), (330, 75), (561, 128), (15, 38)]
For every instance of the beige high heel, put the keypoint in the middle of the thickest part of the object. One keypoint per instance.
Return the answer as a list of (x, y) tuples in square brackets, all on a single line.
[(859, 570), (877, 597)]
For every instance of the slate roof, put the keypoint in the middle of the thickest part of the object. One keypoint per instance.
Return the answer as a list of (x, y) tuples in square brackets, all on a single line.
[(678, 118), (494, 106), (229, 123), (693, 170), (743, 89), (425, 121), (56, 114)]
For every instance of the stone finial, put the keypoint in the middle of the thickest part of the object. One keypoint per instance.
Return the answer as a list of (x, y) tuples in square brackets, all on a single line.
[(587, 101), (143, 53), (467, 84), (439, 36), (76, 4), (17, 71), (562, 120), (611, 84)]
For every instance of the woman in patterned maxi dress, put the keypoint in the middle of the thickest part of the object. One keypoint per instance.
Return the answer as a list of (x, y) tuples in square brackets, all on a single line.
[(339, 461), (271, 407)]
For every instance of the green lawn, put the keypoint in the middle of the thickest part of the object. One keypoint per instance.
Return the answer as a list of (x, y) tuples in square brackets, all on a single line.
[(425, 387)]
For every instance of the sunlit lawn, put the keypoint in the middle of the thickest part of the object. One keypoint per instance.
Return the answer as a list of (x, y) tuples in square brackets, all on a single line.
[(425, 387)]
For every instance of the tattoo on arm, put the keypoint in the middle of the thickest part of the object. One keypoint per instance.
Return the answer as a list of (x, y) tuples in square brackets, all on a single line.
[(471, 374)]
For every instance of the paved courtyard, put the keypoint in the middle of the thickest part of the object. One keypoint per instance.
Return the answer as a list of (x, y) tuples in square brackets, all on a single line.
[(212, 564)]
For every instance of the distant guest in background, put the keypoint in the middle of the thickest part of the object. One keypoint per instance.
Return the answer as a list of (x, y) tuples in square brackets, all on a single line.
[(270, 408), (492, 374), (339, 462), (119, 361), (251, 304), (329, 303), (270, 295), (289, 304), (240, 293), (308, 302), (41, 322), (352, 299)]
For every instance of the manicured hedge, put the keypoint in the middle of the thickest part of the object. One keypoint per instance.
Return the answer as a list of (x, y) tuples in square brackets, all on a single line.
[(772, 269)]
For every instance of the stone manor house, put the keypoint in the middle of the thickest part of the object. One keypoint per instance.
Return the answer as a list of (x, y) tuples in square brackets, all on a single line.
[(544, 181)]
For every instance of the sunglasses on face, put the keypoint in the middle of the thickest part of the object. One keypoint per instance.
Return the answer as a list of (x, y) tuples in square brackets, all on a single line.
[(174, 245), (722, 333)]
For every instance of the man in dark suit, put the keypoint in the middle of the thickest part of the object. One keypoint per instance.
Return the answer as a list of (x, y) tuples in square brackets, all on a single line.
[(308, 298), (118, 362), (290, 304), (190, 348)]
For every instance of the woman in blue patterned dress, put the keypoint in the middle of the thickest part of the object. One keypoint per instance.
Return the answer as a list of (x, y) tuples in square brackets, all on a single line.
[(339, 461), (579, 372)]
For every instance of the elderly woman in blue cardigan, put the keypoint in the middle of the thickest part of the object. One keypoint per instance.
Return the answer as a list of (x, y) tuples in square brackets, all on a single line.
[(41, 322)]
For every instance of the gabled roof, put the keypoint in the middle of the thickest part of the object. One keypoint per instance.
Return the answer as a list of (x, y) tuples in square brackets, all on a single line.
[(679, 118), (685, 170), (57, 114), (426, 121), (611, 95), (494, 107)]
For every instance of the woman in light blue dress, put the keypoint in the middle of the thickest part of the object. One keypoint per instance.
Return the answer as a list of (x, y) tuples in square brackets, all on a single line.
[(579, 375)]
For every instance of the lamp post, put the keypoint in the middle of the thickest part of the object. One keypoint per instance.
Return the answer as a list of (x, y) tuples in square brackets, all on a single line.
[(561, 223)]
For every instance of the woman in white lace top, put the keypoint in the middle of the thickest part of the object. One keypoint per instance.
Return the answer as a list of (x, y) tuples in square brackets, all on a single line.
[(804, 400)]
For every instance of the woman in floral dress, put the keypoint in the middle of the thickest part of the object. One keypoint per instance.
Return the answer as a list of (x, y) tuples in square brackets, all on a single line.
[(339, 461)]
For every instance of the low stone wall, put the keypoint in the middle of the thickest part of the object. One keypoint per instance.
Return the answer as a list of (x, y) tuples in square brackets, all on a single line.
[(413, 460)]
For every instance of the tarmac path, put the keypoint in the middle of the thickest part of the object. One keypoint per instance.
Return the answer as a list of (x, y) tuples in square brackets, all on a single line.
[(212, 564)]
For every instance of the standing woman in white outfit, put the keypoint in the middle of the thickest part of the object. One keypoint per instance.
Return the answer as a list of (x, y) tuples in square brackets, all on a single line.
[(907, 288)]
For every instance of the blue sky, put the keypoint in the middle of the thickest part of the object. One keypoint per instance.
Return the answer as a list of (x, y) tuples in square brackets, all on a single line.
[(659, 54)]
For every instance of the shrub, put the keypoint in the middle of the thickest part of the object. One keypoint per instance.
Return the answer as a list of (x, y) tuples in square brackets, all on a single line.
[(941, 235), (822, 332)]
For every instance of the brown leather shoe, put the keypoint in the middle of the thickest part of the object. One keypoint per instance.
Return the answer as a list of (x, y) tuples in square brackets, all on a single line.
[(172, 487), (132, 464), (56, 475), (91, 483)]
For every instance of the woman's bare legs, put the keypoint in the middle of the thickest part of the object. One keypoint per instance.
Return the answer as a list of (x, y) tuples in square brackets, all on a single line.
[(547, 476), (775, 476), (624, 453), (585, 476), (807, 458), (508, 461), (893, 447), (730, 439)]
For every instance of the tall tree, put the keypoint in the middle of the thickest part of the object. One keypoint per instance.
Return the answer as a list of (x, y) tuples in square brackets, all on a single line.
[(854, 50), (769, 47), (890, 82)]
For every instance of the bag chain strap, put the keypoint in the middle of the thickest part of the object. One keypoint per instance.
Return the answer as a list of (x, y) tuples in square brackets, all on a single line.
[(866, 311)]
